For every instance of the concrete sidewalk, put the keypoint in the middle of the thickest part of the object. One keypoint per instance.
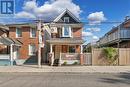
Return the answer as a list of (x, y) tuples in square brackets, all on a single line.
[(84, 69)]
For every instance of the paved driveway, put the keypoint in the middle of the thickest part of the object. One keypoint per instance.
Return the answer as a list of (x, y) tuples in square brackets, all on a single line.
[(64, 80)]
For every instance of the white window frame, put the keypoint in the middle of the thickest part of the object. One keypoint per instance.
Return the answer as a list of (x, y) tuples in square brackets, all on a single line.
[(30, 52), (17, 36), (66, 18), (32, 33), (70, 32)]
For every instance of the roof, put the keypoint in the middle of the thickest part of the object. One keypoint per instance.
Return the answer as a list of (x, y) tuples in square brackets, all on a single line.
[(65, 41), (3, 27), (22, 24), (9, 41), (63, 13)]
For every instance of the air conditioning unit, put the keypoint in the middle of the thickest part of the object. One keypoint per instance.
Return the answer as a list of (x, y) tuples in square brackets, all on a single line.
[(53, 29)]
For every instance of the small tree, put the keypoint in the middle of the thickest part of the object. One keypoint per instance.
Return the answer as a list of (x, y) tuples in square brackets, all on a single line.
[(110, 54)]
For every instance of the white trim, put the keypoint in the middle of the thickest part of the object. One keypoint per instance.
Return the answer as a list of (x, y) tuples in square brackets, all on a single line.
[(66, 18), (31, 33), (17, 33), (29, 49), (70, 32), (66, 11)]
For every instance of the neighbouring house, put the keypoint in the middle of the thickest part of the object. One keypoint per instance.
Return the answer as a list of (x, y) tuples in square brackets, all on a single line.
[(7, 46), (28, 35), (117, 37), (64, 45)]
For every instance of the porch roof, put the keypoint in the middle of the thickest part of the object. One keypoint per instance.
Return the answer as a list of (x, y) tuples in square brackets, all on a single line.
[(66, 41), (9, 41)]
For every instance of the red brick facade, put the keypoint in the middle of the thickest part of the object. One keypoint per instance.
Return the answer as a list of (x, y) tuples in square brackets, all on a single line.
[(25, 39), (77, 32)]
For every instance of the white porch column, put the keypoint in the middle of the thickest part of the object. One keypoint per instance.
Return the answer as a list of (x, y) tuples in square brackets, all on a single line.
[(11, 54), (81, 49), (51, 48), (51, 55)]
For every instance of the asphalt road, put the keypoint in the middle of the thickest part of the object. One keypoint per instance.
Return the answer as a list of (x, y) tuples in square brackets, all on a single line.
[(63, 80)]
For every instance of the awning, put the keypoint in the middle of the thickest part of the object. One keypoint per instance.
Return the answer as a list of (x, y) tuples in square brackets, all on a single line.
[(74, 41), (9, 41)]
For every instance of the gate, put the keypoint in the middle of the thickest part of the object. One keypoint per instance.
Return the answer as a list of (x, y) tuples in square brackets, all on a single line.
[(87, 58)]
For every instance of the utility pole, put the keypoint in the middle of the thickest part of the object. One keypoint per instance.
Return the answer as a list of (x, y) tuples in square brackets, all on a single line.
[(39, 42)]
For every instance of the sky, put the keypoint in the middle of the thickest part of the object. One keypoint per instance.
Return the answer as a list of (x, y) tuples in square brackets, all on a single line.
[(91, 12)]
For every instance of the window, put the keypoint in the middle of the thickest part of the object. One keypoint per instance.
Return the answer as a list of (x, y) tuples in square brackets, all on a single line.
[(32, 49), (66, 19), (32, 32), (66, 31), (18, 32), (71, 49)]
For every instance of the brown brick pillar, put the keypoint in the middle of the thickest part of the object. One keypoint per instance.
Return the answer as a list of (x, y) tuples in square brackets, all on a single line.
[(81, 59)]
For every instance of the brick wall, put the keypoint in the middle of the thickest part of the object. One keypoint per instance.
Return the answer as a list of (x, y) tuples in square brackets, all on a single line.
[(77, 32), (25, 39)]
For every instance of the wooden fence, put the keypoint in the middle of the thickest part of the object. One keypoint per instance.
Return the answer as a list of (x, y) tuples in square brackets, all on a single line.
[(87, 58), (124, 56), (99, 59)]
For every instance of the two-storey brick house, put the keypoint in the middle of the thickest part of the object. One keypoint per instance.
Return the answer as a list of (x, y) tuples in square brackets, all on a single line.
[(62, 40), (65, 43), (28, 35)]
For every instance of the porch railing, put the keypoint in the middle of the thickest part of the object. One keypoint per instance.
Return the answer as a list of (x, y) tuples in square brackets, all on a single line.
[(70, 56), (4, 56)]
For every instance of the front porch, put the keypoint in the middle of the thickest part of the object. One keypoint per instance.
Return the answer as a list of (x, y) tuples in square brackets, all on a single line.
[(63, 53), (9, 51)]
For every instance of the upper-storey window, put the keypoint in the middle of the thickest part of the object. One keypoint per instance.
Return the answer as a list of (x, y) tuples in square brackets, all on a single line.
[(66, 19), (18, 32), (32, 32), (66, 31)]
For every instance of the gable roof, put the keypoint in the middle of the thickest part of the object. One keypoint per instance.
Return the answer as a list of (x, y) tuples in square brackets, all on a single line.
[(63, 13)]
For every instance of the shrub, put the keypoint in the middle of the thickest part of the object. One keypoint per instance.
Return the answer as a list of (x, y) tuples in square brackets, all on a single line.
[(65, 63), (75, 63), (110, 54)]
